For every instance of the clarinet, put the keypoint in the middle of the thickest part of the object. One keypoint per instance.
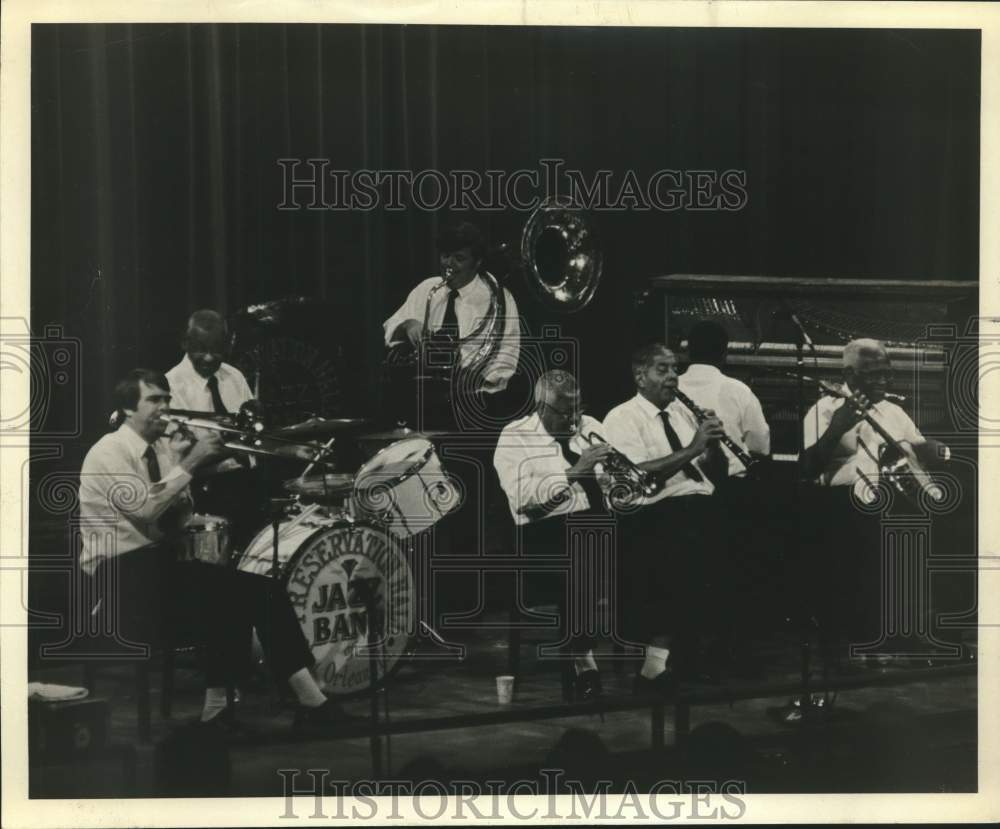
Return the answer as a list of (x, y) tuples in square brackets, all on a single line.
[(701, 416)]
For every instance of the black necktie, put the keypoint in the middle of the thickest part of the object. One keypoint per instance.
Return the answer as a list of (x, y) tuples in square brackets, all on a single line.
[(213, 388), (589, 483), (675, 444), (152, 464), (450, 322)]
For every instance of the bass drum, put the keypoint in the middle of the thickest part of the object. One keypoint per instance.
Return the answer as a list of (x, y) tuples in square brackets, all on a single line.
[(328, 565)]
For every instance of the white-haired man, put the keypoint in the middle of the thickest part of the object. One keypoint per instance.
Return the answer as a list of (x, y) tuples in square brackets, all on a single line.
[(841, 552), (548, 469), (841, 448)]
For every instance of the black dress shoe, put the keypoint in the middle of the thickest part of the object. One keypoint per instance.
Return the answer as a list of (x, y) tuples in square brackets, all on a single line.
[(328, 718), (226, 724), (664, 685), (588, 686)]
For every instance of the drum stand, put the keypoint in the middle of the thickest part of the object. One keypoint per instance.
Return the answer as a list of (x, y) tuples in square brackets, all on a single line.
[(367, 590), (280, 509)]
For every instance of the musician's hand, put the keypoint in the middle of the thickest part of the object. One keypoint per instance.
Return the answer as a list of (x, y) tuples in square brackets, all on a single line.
[(412, 331), (708, 430), (591, 456), (848, 414), (205, 450), (180, 443)]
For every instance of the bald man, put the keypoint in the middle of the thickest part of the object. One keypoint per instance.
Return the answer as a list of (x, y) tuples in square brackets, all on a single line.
[(841, 448), (841, 543), (548, 469)]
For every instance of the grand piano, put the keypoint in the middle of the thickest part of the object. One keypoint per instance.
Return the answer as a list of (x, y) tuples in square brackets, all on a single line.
[(773, 321)]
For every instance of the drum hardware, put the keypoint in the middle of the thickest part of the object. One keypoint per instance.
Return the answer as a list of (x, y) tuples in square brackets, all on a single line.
[(205, 538), (330, 489), (404, 488), (317, 427)]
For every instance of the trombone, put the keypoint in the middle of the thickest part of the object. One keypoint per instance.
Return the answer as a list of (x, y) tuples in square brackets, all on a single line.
[(250, 439)]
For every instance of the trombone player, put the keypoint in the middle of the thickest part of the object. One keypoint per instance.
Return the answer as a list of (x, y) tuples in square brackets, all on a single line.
[(460, 305), (547, 467)]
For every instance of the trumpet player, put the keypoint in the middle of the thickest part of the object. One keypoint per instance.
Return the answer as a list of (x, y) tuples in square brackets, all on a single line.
[(674, 541), (548, 469)]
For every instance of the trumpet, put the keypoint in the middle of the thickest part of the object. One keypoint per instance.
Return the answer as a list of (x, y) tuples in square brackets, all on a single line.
[(701, 415), (636, 482)]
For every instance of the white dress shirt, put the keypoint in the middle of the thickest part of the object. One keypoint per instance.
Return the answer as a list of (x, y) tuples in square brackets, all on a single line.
[(735, 405), (189, 390), (849, 457), (532, 468), (471, 305), (119, 504), (635, 429)]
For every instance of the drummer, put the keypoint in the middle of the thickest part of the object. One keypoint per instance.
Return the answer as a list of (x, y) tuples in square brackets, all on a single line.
[(203, 382), (134, 502)]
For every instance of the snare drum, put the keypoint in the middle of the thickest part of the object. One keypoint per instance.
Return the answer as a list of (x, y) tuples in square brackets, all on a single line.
[(405, 488), (326, 563), (206, 539)]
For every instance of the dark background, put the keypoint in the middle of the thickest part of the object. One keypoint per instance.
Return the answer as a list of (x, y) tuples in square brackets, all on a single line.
[(155, 178)]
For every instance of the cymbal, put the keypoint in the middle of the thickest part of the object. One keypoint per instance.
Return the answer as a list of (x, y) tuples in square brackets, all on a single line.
[(322, 489), (317, 427)]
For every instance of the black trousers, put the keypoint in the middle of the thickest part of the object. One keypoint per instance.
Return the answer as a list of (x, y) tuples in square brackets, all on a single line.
[(676, 577), (839, 566), (573, 588), (154, 601)]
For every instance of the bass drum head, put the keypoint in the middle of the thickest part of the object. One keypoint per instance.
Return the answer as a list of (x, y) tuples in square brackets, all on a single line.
[(327, 582)]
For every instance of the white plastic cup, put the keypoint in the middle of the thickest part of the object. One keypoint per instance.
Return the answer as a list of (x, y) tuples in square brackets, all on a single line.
[(505, 689)]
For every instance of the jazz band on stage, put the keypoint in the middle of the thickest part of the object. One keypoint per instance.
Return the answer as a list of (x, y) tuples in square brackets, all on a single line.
[(671, 467)]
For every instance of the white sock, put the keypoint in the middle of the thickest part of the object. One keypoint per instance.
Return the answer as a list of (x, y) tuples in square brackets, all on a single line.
[(585, 663), (215, 703), (656, 662), (305, 689)]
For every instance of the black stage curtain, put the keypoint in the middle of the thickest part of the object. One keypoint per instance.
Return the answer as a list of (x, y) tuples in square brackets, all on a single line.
[(156, 183)]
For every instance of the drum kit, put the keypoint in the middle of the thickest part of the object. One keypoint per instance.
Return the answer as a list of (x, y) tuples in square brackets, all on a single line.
[(339, 544)]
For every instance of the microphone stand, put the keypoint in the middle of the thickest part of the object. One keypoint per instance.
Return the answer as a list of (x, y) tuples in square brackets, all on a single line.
[(802, 339)]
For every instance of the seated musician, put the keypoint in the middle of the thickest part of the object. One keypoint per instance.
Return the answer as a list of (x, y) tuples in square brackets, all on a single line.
[(736, 405), (547, 470), (203, 382), (841, 447), (134, 502), (455, 312), (842, 542), (673, 541)]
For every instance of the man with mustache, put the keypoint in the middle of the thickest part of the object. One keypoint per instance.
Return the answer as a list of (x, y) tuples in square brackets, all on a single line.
[(673, 539)]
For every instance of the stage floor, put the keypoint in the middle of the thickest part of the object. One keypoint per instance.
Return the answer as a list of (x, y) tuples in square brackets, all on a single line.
[(916, 736)]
